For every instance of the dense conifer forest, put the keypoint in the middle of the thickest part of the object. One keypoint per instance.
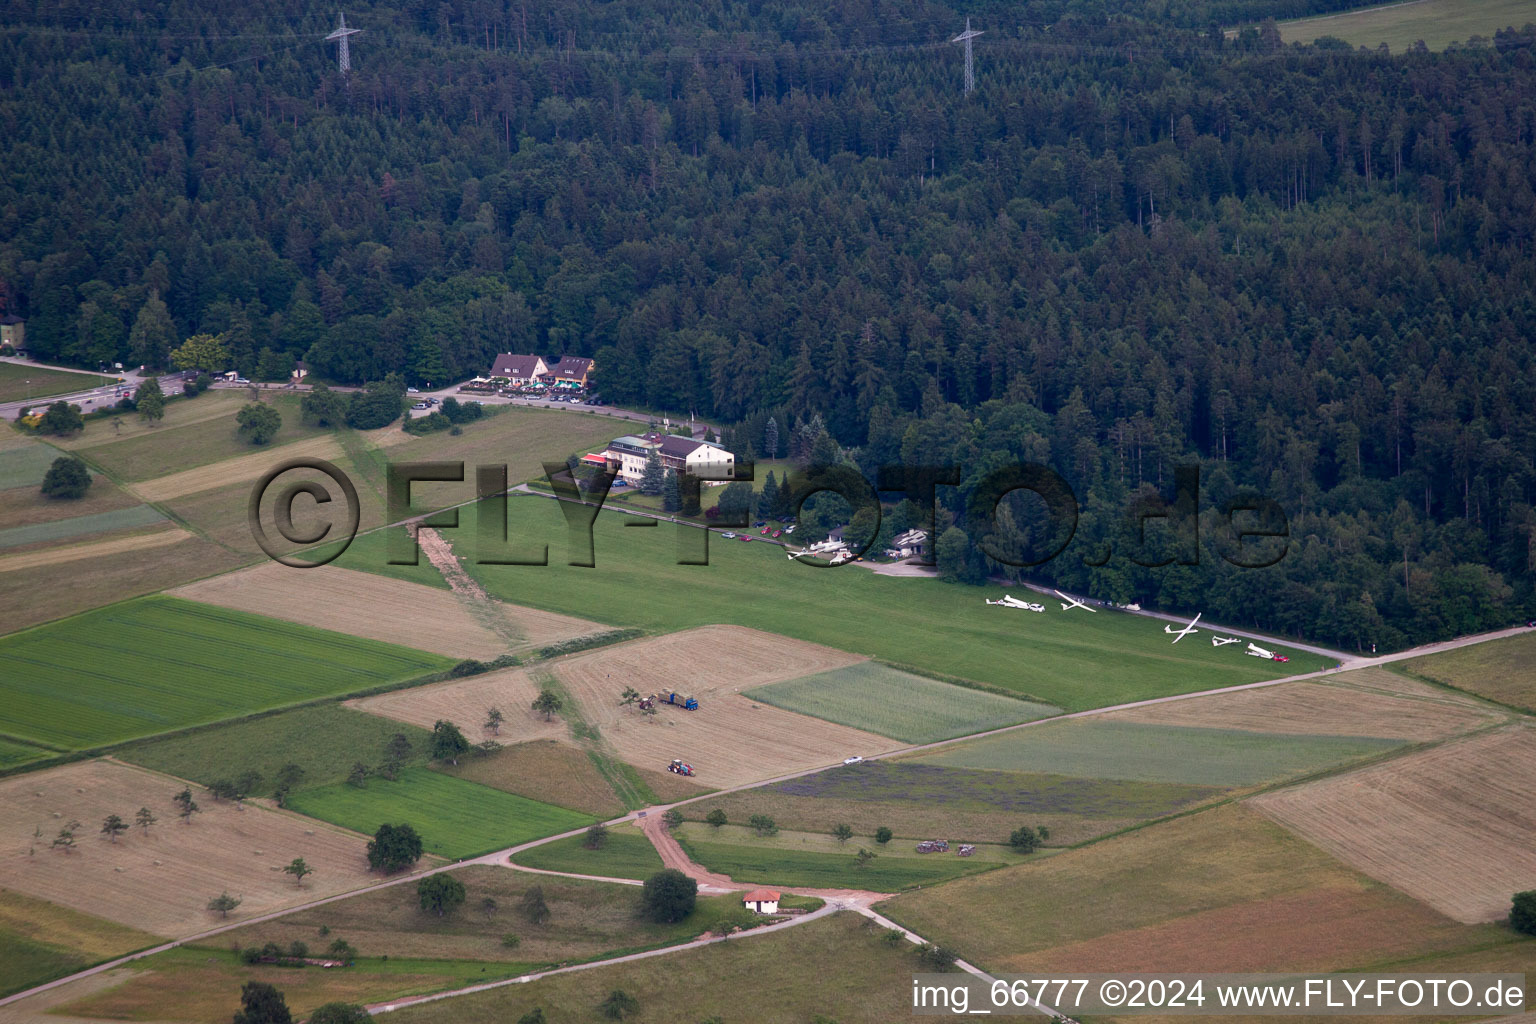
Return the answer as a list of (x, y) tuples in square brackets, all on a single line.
[(1138, 244)]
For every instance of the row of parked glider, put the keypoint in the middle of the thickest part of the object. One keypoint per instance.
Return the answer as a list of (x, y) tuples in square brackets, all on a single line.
[(1068, 603)]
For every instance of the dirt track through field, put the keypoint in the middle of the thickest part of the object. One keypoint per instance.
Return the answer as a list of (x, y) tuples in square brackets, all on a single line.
[(236, 470), (1453, 826), (730, 739), (1319, 709), (161, 881), (469, 593), (97, 549)]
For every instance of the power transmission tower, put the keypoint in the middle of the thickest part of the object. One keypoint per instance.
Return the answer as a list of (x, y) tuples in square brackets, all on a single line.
[(344, 54), (970, 63)]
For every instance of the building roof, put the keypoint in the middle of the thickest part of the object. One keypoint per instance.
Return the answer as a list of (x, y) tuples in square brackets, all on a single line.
[(761, 896), (573, 366), (11, 318), (596, 460), (510, 364)]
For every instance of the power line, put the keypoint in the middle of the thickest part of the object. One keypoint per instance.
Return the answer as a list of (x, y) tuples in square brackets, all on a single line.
[(970, 65)]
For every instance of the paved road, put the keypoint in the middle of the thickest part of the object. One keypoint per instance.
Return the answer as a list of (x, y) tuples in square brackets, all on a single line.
[(89, 400)]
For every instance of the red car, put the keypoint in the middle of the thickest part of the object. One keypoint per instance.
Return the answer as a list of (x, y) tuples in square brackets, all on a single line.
[(1281, 657), (777, 532), (764, 530)]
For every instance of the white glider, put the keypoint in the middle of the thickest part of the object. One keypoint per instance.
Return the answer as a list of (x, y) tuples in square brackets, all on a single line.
[(1222, 641), (1180, 634), (1071, 602), (1258, 652), (1009, 601)]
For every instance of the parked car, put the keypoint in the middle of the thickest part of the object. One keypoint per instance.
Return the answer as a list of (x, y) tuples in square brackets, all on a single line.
[(778, 533), (764, 530), (413, 391), (789, 529), (728, 535), (421, 405), (760, 522), (855, 759)]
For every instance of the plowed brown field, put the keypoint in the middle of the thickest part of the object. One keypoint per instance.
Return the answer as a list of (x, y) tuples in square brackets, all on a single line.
[(729, 740), (161, 882), (1453, 826)]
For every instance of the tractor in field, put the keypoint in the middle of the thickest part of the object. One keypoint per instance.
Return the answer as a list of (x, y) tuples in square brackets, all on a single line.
[(680, 767), (686, 703)]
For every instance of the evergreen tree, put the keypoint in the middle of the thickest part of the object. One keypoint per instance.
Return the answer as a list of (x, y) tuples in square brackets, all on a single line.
[(153, 334), (653, 479)]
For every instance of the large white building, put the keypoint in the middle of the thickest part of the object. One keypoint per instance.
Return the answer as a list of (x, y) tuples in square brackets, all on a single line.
[(702, 459)]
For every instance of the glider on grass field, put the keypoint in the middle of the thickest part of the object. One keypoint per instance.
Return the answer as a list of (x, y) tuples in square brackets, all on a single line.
[(1222, 641), (1071, 602), (1009, 601), (1180, 634)]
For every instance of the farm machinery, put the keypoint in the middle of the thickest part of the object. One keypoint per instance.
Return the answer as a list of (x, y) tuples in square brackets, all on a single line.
[(670, 697), (680, 767)]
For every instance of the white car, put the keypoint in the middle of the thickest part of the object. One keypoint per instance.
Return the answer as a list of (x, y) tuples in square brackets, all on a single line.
[(855, 759), (728, 535), (413, 391)]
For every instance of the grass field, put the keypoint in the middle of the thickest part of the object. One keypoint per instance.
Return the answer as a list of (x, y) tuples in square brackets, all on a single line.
[(455, 818), (40, 941), (20, 383), (1158, 753), (56, 587), (626, 854), (873, 983), (903, 706), (527, 768), (324, 740), (817, 860), (586, 920), (1451, 825), (172, 448), (1220, 890), (1072, 661), (156, 664), (1501, 670), (1437, 23), (26, 506), (25, 464), (80, 526), (13, 753), (924, 801), (204, 985)]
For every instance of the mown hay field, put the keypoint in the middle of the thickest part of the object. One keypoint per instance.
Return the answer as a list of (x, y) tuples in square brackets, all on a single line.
[(26, 506), (881, 699), (454, 818), (730, 739), (161, 881), (1502, 670), (1334, 708), (1454, 826), (466, 702), (159, 663), (1093, 748), (529, 768), (1224, 889), (235, 467), (383, 608), (68, 528)]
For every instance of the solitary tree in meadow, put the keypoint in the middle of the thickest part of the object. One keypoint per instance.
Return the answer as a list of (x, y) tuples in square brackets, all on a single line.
[(448, 742), (716, 817), (298, 869), (842, 832), (493, 720), (547, 703), (439, 894), (883, 835), (65, 840), (144, 819)]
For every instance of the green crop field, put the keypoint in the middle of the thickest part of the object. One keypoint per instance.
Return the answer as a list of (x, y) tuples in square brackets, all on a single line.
[(26, 464), (13, 753), (19, 383), (1437, 23), (927, 801), (1158, 753), (625, 854), (1072, 660), (159, 663), (1501, 670), (455, 818), (325, 740), (898, 704), (80, 526), (817, 860), (40, 941)]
